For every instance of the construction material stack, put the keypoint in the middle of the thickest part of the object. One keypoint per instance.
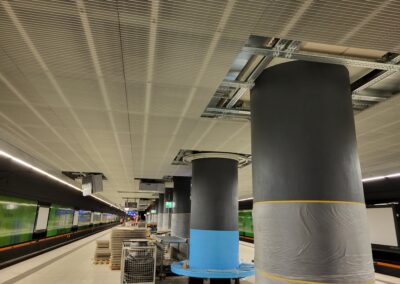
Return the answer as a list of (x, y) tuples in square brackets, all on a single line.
[(102, 253), (118, 235)]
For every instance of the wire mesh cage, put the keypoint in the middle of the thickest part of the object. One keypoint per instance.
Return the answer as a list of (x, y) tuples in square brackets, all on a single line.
[(138, 262), (165, 257)]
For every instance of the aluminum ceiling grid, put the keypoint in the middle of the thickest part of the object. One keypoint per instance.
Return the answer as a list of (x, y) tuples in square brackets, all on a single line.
[(174, 53), (357, 23), (41, 57)]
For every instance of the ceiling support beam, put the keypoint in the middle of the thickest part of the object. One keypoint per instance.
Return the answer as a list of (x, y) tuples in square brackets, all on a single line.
[(395, 61), (367, 98), (324, 58), (236, 84), (228, 111)]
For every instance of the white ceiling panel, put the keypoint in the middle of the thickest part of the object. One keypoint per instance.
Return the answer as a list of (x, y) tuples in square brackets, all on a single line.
[(120, 86)]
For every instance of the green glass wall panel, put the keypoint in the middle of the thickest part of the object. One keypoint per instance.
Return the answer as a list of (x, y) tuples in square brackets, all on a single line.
[(17, 220), (84, 219), (60, 220), (96, 218), (246, 223)]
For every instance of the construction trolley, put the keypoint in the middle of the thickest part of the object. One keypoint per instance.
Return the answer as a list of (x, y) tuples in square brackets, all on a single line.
[(138, 262)]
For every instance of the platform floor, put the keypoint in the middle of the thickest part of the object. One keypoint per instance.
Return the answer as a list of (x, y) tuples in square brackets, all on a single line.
[(73, 263)]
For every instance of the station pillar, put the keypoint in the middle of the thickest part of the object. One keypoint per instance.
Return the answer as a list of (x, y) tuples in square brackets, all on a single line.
[(214, 236), (160, 212), (180, 220), (148, 215), (167, 211), (310, 223), (153, 216)]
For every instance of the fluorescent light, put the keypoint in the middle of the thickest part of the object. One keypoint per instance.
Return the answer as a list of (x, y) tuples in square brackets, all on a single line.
[(363, 180), (393, 175), (381, 177), (373, 178), (25, 164), (40, 171), (388, 203), (244, 199), (102, 200)]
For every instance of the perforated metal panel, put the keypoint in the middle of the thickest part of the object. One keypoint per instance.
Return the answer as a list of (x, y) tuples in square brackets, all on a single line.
[(119, 86)]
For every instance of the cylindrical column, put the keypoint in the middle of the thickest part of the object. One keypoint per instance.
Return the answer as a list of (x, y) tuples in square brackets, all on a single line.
[(181, 211), (160, 211), (152, 216), (167, 211), (214, 237), (309, 212)]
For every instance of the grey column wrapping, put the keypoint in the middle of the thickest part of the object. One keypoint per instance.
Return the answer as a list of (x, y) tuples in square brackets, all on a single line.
[(165, 221), (309, 217)]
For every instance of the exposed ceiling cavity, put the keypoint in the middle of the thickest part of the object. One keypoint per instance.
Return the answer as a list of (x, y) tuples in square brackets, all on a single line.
[(366, 69)]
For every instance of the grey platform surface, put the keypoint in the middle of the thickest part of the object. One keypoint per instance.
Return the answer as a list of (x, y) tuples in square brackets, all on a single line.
[(73, 263)]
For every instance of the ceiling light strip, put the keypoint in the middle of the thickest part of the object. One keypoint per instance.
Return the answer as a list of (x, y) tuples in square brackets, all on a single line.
[(363, 180), (40, 171)]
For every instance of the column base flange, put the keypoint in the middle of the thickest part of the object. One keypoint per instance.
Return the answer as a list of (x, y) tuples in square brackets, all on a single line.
[(244, 270)]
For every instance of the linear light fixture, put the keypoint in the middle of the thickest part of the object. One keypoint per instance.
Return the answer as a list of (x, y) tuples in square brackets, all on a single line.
[(106, 202), (40, 171), (244, 199), (363, 180), (381, 177), (373, 178)]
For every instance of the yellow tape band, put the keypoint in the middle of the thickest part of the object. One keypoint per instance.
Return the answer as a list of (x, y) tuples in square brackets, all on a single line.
[(276, 277), (310, 201)]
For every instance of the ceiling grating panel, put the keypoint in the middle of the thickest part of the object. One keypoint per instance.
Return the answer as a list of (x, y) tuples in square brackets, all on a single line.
[(119, 87)]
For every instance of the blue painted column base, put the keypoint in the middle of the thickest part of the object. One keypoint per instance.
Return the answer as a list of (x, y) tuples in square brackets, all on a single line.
[(213, 254), (243, 270)]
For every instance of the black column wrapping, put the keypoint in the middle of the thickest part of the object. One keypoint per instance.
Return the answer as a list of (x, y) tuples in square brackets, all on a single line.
[(214, 194), (181, 196), (168, 194), (303, 135)]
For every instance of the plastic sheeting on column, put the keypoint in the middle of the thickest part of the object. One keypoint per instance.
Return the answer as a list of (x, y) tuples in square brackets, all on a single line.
[(327, 243)]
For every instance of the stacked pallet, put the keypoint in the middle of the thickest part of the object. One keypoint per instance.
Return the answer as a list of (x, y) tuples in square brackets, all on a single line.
[(118, 235), (102, 253)]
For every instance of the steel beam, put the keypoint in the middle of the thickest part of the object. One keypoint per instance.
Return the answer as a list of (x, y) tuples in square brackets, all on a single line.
[(214, 110), (236, 97), (237, 84), (367, 98), (324, 58)]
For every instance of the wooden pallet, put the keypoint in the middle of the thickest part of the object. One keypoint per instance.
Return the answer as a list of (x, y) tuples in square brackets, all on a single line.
[(115, 267), (103, 244), (101, 261)]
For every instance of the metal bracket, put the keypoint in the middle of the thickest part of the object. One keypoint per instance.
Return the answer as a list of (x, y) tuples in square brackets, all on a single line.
[(293, 46)]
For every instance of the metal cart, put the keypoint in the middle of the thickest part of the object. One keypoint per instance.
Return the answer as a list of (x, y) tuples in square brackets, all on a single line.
[(138, 262), (164, 257)]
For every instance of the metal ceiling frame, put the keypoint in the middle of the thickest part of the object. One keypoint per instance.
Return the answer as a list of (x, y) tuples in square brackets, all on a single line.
[(324, 58), (289, 49)]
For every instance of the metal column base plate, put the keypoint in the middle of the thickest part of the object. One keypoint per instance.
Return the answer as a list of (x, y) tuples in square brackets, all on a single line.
[(244, 270)]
